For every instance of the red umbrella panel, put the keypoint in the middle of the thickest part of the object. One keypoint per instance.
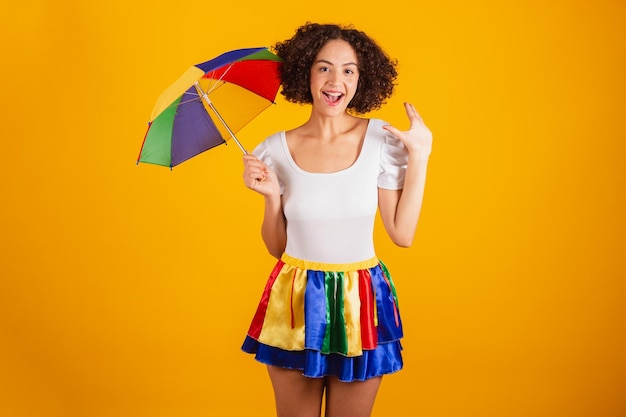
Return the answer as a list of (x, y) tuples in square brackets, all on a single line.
[(210, 103)]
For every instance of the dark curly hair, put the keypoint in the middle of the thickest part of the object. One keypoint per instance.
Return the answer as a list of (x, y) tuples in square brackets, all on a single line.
[(377, 72)]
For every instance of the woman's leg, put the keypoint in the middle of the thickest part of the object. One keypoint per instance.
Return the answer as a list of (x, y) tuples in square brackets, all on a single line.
[(354, 399), (295, 394)]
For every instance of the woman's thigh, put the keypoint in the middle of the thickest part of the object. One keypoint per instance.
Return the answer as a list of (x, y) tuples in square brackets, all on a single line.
[(295, 394), (354, 399)]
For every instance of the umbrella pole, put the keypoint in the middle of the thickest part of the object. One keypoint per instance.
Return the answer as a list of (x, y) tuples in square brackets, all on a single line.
[(206, 99)]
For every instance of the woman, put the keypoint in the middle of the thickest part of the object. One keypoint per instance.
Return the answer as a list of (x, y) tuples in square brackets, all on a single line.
[(328, 320)]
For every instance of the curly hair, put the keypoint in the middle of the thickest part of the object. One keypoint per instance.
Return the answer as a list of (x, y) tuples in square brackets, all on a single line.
[(377, 72)]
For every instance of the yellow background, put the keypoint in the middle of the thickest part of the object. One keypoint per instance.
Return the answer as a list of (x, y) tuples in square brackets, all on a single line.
[(126, 290)]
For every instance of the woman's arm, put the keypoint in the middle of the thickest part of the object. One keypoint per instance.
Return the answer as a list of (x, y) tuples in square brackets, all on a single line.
[(260, 178), (400, 209), (274, 230)]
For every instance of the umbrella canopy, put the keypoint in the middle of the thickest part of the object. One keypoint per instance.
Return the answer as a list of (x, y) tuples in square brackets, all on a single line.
[(209, 103)]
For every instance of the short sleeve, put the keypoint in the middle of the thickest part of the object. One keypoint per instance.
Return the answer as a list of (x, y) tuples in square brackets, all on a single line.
[(393, 161), (263, 153)]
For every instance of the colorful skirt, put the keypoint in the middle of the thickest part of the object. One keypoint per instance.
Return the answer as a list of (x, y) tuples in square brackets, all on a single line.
[(337, 320)]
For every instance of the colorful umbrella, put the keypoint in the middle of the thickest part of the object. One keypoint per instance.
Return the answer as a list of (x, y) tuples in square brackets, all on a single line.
[(209, 103)]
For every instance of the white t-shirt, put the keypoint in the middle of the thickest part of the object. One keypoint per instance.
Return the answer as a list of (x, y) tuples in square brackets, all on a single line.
[(330, 216)]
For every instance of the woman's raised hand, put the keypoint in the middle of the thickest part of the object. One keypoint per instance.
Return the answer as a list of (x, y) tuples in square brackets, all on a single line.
[(418, 139)]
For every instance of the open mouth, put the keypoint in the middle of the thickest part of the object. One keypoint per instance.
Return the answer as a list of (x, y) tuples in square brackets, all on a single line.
[(333, 98)]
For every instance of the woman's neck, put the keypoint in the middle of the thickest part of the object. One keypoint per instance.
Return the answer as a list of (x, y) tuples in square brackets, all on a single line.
[(328, 127)]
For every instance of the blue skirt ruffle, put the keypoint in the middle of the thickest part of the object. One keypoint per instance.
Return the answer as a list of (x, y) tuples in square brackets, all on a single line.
[(385, 359)]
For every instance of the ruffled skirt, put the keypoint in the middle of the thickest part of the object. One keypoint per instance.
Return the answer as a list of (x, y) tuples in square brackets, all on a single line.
[(337, 320)]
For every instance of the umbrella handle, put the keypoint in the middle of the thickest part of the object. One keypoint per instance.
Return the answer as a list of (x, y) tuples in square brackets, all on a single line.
[(206, 99)]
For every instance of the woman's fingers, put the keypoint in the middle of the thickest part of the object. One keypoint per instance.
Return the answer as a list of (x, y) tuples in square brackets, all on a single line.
[(413, 115), (257, 176), (418, 137), (254, 170)]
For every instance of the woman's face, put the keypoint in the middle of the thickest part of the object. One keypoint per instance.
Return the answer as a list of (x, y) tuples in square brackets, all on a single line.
[(334, 77)]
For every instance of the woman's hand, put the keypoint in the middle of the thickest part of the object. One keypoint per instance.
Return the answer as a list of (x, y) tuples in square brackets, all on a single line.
[(259, 177), (418, 140)]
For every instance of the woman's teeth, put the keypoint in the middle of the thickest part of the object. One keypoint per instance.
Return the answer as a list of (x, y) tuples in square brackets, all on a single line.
[(333, 97)]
